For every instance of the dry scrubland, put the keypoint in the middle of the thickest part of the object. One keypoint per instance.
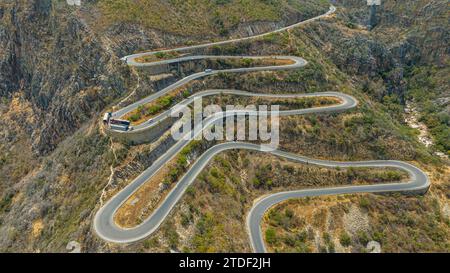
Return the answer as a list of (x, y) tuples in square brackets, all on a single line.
[(349, 223), (56, 176), (197, 17)]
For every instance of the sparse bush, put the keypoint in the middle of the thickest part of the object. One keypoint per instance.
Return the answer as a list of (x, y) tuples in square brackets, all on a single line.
[(345, 239), (271, 237)]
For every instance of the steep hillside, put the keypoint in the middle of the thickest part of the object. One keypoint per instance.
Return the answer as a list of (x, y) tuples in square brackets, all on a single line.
[(403, 58), (408, 48), (59, 67)]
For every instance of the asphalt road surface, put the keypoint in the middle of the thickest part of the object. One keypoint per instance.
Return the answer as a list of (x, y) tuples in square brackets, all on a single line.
[(104, 224)]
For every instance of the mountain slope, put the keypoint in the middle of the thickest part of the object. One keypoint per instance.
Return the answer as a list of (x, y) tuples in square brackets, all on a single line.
[(60, 69)]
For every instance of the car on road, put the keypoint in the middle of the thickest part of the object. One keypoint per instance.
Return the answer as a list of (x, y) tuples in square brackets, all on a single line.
[(208, 70)]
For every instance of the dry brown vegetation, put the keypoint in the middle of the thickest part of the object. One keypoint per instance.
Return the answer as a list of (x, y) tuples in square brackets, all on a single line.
[(347, 223)]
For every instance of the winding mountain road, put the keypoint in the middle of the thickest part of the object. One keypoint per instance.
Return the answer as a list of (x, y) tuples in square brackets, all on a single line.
[(104, 224)]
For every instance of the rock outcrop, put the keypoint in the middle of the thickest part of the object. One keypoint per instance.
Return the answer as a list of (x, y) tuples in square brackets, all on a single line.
[(59, 66)]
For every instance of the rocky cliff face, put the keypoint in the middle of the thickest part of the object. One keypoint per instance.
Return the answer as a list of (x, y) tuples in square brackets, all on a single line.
[(414, 30), (57, 58), (408, 33), (59, 69), (52, 60)]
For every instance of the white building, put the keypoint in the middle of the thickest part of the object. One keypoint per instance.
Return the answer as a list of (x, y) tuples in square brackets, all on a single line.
[(373, 2)]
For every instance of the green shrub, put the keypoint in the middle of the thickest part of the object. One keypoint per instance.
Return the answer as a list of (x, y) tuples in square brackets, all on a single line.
[(135, 117), (345, 239)]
